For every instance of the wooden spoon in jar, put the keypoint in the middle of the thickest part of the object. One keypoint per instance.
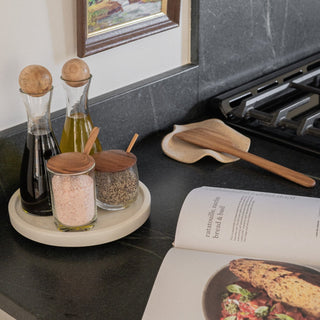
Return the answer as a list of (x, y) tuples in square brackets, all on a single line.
[(92, 138), (209, 139)]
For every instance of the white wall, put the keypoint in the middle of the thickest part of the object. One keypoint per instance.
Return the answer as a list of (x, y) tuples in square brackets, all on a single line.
[(44, 32)]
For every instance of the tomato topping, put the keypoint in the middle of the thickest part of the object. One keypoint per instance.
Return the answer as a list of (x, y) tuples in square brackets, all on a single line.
[(244, 302)]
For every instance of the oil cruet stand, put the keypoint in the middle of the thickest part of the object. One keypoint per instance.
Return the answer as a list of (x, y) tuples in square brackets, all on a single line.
[(36, 91), (109, 226)]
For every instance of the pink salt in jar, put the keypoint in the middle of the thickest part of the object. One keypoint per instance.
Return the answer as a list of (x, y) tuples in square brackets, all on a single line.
[(72, 188)]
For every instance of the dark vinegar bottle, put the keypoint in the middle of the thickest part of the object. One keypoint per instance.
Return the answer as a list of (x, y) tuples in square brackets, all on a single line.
[(34, 187), (36, 90)]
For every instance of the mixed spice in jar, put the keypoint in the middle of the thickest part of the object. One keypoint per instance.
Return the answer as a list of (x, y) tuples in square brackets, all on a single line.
[(117, 179), (72, 187)]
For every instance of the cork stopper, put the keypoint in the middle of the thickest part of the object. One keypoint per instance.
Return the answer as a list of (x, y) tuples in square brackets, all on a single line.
[(75, 72), (35, 80), (114, 160), (70, 163)]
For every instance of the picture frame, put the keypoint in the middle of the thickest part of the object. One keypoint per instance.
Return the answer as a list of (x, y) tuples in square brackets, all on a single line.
[(104, 24)]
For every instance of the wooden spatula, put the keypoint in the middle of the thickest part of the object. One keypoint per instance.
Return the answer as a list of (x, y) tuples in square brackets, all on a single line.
[(209, 139)]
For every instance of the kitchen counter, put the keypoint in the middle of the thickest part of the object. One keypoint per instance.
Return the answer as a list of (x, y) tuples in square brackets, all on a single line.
[(114, 280)]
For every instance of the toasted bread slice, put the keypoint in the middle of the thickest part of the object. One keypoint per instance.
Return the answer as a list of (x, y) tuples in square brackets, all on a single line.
[(290, 284)]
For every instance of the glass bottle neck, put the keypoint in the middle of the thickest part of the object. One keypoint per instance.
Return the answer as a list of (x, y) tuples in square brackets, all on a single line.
[(76, 97), (38, 112)]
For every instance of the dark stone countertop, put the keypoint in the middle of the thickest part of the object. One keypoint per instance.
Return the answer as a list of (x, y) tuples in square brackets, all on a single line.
[(114, 280)]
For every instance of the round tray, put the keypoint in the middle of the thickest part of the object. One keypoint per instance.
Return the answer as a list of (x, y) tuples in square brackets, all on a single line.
[(110, 225)]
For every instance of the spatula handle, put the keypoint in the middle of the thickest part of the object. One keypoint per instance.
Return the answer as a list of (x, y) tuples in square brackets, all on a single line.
[(278, 169), (208, 139)]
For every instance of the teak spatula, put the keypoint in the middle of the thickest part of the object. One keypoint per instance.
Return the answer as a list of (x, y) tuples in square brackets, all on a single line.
[(209, 139)]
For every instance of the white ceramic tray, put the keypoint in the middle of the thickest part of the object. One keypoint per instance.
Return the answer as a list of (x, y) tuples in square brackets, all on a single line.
[(110, 225)]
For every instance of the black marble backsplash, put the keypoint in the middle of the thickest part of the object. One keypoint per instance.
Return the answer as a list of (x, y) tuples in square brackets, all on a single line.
[(232, 42), (242, 40)]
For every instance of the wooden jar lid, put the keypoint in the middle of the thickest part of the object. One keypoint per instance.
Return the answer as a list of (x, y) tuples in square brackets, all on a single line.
[(114, 160), (75, 72), (70, 163), (35, 80)]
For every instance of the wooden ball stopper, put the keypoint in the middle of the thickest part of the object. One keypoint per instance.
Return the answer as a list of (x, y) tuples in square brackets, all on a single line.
[(75, 72), (35, 80)]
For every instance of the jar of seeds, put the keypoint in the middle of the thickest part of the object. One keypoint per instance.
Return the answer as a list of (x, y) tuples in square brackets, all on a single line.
[(117, 179), (72, 188)]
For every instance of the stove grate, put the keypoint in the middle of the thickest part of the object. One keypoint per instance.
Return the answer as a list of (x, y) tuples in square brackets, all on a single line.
[(284, 106)]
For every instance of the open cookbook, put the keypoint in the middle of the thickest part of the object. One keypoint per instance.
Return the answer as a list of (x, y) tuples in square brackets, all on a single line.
[(241, 255)]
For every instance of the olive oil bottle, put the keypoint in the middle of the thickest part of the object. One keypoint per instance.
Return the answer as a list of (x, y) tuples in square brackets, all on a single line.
[(76, 130), (76, 80)]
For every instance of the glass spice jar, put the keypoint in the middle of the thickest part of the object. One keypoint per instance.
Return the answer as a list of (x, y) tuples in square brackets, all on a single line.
[(117, 179), (72, 188)]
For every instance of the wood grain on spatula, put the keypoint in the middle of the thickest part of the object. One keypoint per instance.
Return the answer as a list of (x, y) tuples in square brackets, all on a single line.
[(209, 139)]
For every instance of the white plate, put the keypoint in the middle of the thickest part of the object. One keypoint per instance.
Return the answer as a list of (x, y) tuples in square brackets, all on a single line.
[(110, 225)]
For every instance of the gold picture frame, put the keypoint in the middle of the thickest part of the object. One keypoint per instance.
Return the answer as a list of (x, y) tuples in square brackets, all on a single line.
[(104, 24)]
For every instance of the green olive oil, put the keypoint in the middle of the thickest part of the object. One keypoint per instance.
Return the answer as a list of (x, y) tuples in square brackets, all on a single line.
[(76, 131)]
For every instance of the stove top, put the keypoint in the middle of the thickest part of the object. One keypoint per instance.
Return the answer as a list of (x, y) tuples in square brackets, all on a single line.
[(283, 106)]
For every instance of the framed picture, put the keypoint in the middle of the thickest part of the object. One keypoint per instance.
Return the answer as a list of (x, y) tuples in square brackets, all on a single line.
[(104, 24)]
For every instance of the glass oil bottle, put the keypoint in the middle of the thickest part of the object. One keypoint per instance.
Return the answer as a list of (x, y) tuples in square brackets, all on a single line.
[(76, 80), (36, 91)]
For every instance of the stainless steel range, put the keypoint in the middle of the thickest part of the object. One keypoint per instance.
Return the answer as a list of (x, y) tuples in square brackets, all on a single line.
[(283, 106)]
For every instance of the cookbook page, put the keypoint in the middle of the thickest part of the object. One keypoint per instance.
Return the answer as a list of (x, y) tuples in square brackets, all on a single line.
[(194, 285), (248, 223), (178, 291)]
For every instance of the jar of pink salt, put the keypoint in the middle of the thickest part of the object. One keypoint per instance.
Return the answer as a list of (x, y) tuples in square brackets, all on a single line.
[(73, 191)]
